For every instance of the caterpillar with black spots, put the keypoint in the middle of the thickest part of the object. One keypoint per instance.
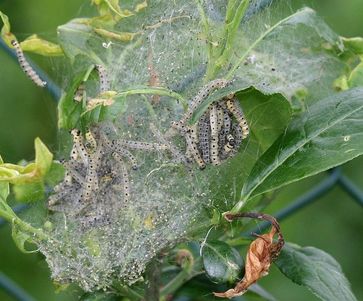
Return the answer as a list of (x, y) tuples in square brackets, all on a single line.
[(24, 64)]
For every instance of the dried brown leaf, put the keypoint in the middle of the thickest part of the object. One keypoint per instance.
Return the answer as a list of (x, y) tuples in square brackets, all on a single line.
[(261, 253)]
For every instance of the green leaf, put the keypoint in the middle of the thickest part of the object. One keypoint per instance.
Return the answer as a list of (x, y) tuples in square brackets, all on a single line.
[(75, 38), (356, 77), (69, 110), (29, 192), (317, 270), (291, 64), (328, 134), (6, 27), (5, 33), (43, 157), (37, 45), (222, 263)]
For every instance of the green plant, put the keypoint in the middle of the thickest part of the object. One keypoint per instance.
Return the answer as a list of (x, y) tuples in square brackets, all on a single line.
[(158, 55)]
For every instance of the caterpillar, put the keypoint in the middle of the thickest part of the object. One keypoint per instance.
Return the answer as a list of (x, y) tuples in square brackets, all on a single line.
[(78, 143), (193, 149), (91, 183), (213, 118), (201, 95), (73, 173), (91, 141), (29, 71), (104, 82), (234, 107), (204, 133), (125, 177), (115, 146), (143, 145), (230, 143), (178, 156)]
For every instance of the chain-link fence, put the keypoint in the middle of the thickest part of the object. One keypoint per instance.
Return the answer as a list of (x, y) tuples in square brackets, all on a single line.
[(335, 178)]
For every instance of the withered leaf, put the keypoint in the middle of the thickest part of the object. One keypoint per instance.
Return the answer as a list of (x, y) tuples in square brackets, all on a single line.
[(261, 253)]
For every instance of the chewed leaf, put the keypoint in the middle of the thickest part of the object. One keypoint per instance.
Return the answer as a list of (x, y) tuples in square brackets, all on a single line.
[(327, 135), (37, 45), (222, 263), (316, 270)]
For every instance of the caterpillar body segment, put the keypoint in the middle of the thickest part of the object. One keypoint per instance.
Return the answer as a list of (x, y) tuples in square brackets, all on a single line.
[(73, 173), (24, 64), (125, 182), (204, 136), (91, 183), (177, 155), (193, 149), (234, 107), (78, 144), (202, 95), (90, 141), (228, 147), (116, 146), (214, 146), (125, 153), (104, 81), (144, 145)]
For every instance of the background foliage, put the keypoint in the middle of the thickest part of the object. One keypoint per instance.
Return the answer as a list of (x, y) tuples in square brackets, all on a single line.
[(333, 224)]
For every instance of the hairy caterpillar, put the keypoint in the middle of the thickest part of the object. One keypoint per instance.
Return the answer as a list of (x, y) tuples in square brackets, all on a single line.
[(29, 71), (104, 82), (234, 107)]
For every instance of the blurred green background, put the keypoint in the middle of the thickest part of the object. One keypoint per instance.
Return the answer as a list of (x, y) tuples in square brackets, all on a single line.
[(334, 223)]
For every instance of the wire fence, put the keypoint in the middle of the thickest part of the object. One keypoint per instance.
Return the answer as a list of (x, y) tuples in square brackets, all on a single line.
[(335, 178)]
